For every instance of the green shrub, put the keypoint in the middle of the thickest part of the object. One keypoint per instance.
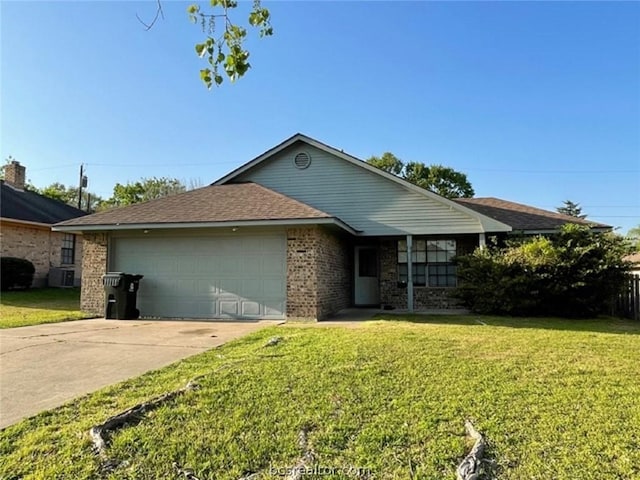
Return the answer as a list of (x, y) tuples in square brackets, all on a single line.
[(16, 273), (575, 273)]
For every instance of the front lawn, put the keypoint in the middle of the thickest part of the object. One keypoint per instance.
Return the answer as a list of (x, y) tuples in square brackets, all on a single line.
[(556, 399), (43, 305)]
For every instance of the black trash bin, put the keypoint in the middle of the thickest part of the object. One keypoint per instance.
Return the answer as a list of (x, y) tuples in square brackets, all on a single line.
[(120, 290)]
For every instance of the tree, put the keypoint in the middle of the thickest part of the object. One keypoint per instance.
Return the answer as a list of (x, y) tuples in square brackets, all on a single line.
[(222, 48), (633, 235), (442, 180), (142, 191), (572, 209), (387, 162), (69, 195)]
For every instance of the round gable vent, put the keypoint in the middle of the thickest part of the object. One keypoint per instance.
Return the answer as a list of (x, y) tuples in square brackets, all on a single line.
[(302, 160)]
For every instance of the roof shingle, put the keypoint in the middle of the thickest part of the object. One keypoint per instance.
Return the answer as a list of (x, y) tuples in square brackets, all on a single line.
[(223, 203), (522, 217), (29, 206)]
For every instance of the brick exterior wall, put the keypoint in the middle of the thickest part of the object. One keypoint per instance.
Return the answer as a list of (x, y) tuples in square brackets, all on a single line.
[(334, 274), (423, 297), (318, 273), (94, 265), (40, 246)]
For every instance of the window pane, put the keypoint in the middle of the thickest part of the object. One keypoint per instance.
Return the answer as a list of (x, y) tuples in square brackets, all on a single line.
[(402, 245), (402, 257), (402, 273), (367, 262)]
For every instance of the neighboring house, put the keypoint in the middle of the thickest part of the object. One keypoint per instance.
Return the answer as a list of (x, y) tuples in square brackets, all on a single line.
[(25, 231), (302, 231), (635, 263)]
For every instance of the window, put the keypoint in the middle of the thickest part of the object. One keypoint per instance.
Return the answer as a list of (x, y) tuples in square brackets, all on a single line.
[(431, 262), (418, 262), (68, 249), (367, 262)]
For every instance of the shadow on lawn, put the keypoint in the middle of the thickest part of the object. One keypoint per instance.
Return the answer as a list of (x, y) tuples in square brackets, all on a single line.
[(42, 298), (600, 325)]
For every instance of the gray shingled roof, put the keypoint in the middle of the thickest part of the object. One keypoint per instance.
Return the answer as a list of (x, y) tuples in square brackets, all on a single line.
[(29, 206), (523, 217), (224, 203)]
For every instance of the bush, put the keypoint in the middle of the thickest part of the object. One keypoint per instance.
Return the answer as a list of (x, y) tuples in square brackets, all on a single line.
[(575, 273), (16, 273)]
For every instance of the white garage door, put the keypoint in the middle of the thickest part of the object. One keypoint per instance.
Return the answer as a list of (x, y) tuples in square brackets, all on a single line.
[(206, 277)]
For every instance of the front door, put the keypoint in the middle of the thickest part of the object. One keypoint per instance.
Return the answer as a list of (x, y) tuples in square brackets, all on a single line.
[(367, 290)]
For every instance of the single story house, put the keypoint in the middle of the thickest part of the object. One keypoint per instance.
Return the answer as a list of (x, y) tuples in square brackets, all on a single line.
[(300, 232), (26, 219)]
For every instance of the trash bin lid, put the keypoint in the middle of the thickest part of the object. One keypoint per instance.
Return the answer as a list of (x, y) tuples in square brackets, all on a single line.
[(112, 279), (132, 277)]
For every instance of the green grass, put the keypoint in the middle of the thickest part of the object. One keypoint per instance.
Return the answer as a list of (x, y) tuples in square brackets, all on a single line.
[(36, 306), (556, 399)]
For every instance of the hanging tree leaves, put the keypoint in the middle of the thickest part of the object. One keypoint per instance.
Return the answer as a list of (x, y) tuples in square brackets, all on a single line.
[(224, 46)]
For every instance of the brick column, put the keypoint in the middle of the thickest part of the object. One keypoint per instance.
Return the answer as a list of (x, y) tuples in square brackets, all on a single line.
[(94, 265), (302, 278), (318, 273)]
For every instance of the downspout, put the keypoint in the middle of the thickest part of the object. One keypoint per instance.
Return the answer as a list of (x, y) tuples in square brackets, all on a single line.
[(409, 273)]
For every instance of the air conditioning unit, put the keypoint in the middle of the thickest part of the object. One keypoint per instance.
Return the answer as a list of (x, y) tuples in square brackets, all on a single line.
[(61, 277)]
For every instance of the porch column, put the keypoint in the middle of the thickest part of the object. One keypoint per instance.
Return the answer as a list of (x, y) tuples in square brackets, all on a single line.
[(409, 273), (482, 240)]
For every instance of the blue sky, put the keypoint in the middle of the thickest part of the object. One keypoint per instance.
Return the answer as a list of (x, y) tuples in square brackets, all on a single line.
[(536, 102)]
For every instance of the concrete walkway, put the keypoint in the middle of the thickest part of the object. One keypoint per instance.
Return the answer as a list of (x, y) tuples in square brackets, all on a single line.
[(44, 366)]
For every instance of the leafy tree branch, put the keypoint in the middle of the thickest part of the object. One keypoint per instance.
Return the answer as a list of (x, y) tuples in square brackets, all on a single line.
[(442, 180), (225, 50)]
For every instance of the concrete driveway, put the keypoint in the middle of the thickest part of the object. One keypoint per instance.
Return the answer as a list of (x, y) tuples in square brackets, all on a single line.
[(44, 366)]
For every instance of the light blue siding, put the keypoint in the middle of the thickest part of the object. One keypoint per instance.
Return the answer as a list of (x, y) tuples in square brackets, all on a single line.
[(363, 199)]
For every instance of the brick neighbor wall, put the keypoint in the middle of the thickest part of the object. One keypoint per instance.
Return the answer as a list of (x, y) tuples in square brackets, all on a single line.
[(31, 243), (94, 265), (39, 245), (423, 297), (318, 273)]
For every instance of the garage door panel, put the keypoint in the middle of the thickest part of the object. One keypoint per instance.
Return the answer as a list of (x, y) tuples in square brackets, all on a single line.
[(273, 309), (229, 265), (250, 309), (206, 264), (187, 265), (272, 287), (252, 288), (251, 265), (230, 287), (229, 308), (272, 265), (207, 277)]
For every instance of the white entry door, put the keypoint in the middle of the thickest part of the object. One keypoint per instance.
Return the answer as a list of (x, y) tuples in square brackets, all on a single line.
[(367, 289)]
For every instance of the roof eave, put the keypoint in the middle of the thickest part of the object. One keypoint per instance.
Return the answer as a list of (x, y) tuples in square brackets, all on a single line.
[(25, 222), (548, 231), (187, 225)]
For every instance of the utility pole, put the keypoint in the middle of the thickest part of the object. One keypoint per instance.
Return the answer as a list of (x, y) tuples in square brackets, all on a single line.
[(83, 183)]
